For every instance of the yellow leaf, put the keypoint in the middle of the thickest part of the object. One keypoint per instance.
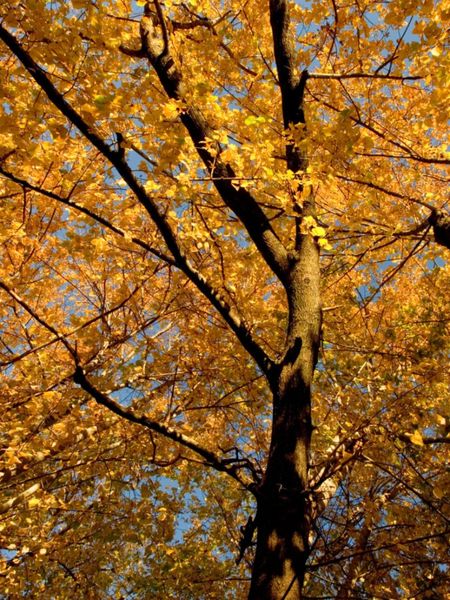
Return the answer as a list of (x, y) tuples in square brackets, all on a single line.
[(170, 110), (318, 232), (102, 101), (99, 243), (33, 502), (324, 244), (309, 221), (416, 438), (441, 420), (151, 186), (439, 492)]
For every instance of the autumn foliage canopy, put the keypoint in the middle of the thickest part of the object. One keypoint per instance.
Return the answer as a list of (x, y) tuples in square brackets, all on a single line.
[(224, 299)]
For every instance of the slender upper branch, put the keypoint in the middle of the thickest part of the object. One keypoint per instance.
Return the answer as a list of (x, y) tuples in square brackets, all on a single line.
[(363, 76), (282, 42), (58, 338), (38, 318), (409, 152), (392, 193), (292, 88), (291, 85), (117, 159)]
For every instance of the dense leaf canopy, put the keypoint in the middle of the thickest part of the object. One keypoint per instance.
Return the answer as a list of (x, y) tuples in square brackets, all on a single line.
[(152, 196)]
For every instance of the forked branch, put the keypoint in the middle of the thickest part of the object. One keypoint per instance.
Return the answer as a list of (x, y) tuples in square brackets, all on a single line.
[(209, 457)]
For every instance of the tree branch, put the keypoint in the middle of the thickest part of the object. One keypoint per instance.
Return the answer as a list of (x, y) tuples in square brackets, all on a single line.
[(162, 23), (379, 188), (8, 504), (410, 154), (292, 90), (79, 377), (99, 219), (440, 221), (284, 51), (211, 459), (363, 76), (38, 318), (291, 86), (253, 213), (239, 200), (58, 338)]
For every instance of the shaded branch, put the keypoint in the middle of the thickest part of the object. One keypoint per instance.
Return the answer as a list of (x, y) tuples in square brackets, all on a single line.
[(292, 87), (79, 377), (440, 221), (375, 549), (363, 76), (410, 154), (37, 317), (8, 504), (429, 440), (162, 23), (379, 188), (284, 51), (59, 337)]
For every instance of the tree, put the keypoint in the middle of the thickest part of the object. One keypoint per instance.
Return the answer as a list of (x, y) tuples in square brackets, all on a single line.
[(208, 209)]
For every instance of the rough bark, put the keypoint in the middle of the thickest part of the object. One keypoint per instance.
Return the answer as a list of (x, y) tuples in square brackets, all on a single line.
[(283, 516), (440, 221)]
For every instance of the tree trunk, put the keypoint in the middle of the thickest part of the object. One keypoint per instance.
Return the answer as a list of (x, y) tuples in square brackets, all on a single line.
[(283, 517)]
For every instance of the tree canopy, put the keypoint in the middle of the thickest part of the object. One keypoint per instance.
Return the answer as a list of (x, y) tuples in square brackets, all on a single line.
[(224, 283)]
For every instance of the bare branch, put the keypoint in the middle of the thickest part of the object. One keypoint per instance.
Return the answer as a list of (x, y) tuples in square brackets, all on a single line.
[(284, 51), (131, 52), (363, 76)]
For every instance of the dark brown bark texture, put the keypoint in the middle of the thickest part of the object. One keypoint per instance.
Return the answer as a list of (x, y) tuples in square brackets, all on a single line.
[(440, 222), (283, 516)]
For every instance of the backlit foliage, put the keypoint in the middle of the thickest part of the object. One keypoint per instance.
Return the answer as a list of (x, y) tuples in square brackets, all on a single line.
[(93, 505)]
